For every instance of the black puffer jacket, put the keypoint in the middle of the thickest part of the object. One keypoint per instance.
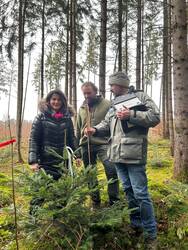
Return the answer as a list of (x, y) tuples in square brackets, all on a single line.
[(49, 133)]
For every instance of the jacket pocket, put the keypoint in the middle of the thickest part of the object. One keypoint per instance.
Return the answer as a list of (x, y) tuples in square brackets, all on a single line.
[(132, 148), (113, 151)]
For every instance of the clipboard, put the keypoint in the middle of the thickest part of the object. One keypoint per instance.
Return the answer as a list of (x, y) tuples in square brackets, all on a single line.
[(129, 101)]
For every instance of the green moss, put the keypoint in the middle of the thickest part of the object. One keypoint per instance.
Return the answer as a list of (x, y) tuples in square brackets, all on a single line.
[(170, 201)]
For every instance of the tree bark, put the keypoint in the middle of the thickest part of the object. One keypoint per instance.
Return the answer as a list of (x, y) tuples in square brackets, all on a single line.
[(180, 69), (170, 106), (22, 8), (70, 55), (165, 71), (142, 44), (42, 50), (26, 86), (74, 87), (67, 52), (126, 37), (102, 57), (120, 12), (138, 46)]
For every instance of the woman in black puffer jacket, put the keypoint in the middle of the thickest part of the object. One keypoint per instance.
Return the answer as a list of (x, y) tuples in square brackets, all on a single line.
[(51, 129)]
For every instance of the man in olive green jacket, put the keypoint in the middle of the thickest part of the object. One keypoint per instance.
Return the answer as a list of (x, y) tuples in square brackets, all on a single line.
[(128, 129), (93, 110)]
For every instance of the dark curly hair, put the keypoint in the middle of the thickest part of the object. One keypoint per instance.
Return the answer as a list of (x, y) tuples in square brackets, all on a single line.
[(60, 94)]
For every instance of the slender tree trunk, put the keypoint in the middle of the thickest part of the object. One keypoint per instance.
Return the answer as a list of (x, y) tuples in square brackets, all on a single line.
[(70, 55), (22, 6), (115, 62), (120, 24), (10, 92), (42, 52), (50, 83), (163, 99), (74, 87), (26, 85), (170, 109), (160, 98), (165, 71), (12, 153), (126, 37), (142, 35), (180, 69), (67, 52), (151, 90), (102, 57), (138, 46), (146, 87)]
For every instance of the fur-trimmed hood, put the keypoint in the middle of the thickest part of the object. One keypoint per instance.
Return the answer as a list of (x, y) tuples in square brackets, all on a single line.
[(44, 108)]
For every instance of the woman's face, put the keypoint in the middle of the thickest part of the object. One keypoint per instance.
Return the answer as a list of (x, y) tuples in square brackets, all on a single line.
[(55, 102)]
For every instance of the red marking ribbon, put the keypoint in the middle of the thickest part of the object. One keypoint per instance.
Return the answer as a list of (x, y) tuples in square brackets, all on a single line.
[(5, 143)]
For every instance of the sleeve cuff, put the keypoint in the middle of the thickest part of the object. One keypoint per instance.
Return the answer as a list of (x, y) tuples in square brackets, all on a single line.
[(96, 131), (132, 113)]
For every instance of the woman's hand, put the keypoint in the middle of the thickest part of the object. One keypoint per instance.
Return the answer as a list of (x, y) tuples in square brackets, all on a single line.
[(35, 167)]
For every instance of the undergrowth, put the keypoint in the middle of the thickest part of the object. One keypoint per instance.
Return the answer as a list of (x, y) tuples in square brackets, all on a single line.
[(64, 218)]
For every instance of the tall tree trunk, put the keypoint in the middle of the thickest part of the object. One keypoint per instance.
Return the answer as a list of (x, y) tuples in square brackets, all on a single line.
[(151, 90), (26, 86), (74, 87), (102, 57), (120, 24), (163, 107), (22, 7), (50, 83), (170, 109), (160, 97), (88, 75), (126, 37), (42, 52), (142, 38), (180, 68), (138, 45), (70, 55), (115, 62), (67, 52), (165, 71)]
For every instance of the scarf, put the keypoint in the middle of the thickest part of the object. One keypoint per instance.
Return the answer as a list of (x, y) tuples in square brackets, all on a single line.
[(57, 115)]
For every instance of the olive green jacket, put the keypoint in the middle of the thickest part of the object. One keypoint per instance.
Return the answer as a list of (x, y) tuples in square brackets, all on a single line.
[(128, 138), (97, 114)]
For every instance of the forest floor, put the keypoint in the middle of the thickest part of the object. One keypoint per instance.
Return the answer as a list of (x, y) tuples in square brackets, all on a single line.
[(170, 201)]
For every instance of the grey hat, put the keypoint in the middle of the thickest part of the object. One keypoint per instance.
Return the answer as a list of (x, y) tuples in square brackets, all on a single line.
[(119, 78)]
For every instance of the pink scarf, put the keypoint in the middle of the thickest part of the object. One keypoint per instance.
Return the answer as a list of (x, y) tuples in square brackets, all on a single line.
[(57, 115)]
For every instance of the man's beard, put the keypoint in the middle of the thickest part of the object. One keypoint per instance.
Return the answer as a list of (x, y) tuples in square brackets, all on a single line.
[(91, 101)]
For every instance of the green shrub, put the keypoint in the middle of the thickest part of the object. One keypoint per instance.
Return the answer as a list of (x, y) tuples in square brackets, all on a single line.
[(5, 191), (60, 208)]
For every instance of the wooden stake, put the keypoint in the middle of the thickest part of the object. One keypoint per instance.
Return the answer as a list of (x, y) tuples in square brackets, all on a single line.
[(88, 122)]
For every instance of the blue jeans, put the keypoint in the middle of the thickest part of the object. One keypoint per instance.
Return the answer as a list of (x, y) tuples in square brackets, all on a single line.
[(134, 182)]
